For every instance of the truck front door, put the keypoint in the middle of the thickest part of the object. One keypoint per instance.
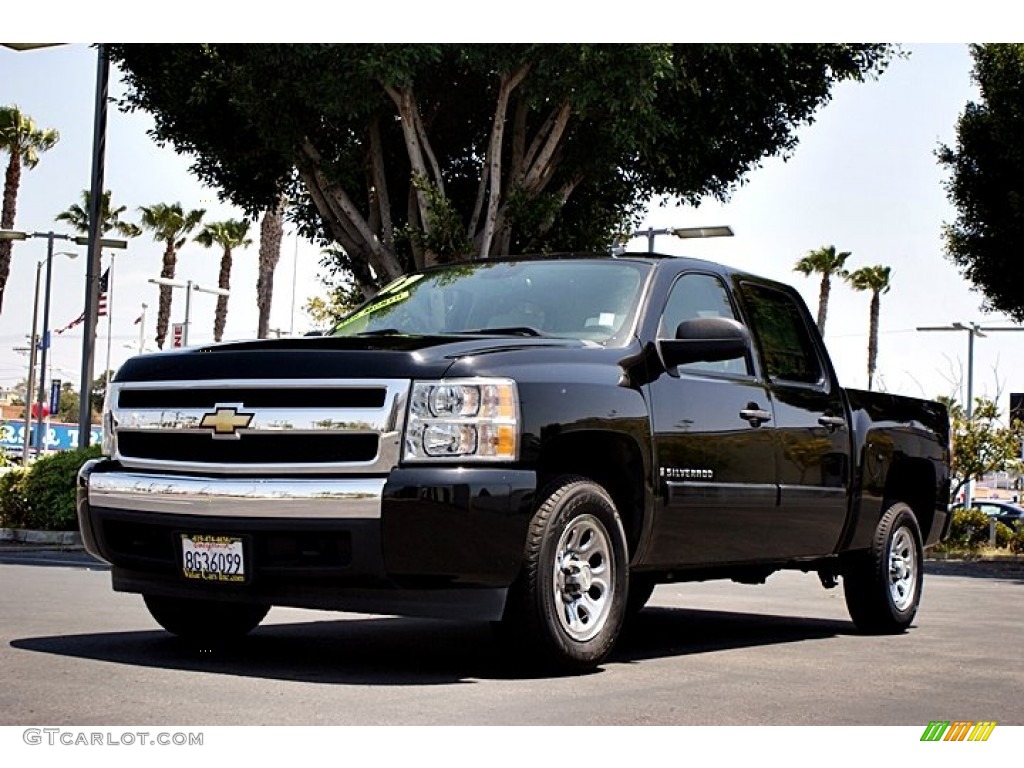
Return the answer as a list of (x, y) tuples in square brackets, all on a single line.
[(714, 445)]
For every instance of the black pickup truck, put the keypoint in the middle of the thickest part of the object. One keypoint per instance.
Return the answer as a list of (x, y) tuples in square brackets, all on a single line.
[(533, 441)]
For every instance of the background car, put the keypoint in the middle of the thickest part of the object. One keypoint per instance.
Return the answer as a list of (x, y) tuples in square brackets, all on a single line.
[(1005, 512)]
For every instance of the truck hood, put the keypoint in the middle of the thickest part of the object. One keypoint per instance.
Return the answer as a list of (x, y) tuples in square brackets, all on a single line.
[(330, 357)]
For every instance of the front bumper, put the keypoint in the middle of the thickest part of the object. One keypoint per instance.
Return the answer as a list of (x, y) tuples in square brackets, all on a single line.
[(424, 541)]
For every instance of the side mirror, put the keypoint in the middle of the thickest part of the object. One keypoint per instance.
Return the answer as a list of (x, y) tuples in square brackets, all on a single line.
[(705, 339)]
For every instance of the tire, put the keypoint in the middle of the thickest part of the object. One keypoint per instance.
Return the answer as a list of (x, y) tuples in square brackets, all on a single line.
[(567, 607), (883, 585), (205, 620)]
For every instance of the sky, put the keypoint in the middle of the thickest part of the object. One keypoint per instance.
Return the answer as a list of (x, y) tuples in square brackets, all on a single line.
[(863, 177)]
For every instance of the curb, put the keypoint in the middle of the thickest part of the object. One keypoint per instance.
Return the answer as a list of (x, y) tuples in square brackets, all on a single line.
[(61, 539)]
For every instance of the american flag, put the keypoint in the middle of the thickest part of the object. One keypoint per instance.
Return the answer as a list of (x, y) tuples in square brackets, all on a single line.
[(101, 307)]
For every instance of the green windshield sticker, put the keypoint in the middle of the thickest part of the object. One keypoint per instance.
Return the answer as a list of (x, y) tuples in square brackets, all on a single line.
[(373, 309), (400, 283)]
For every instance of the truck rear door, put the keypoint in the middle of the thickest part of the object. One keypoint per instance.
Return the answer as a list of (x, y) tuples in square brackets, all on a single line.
[(811, 423)]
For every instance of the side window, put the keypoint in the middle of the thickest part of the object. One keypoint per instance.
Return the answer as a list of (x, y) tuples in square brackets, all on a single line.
[(786, 344), (694, 296)]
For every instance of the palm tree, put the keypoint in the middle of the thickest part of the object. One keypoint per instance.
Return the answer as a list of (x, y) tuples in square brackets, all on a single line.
[(876, 280), (110, 218), (19, 137), (271, 233), (228, 235), (826, 262), (170, 225)]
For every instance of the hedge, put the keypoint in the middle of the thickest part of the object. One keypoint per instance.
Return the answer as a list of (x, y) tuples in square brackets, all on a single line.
[(42, 497)]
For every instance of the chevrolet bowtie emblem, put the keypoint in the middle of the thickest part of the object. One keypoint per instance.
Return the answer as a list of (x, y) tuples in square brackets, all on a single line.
[(226, 421)]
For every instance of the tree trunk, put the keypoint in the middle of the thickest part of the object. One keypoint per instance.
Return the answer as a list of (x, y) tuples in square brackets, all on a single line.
[(823, 294), (11, 183), (271, 232), (223, 282), (163, 313), (873, 338)]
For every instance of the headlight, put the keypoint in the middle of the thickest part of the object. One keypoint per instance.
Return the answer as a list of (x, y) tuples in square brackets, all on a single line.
[(455, 419), (107, 444)]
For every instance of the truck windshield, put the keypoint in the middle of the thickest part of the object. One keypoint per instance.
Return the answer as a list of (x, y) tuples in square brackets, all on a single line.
[(593, 300)]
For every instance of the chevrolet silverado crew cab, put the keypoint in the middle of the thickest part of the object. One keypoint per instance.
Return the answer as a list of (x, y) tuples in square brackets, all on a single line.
[(533, 441)]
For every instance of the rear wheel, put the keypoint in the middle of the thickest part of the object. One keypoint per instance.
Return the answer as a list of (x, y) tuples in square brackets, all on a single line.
[(205, 620), (883, 586), (567, 605)]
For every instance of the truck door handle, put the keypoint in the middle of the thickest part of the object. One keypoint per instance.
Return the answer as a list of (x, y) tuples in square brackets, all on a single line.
[(832, 422), (755, 415)]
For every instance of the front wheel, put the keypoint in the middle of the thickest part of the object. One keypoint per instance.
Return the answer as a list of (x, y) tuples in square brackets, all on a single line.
[(883, 586), (205, 620), (567, 605)]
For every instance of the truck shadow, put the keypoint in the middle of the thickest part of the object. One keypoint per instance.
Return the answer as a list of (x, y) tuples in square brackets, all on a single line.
[(399, 651)]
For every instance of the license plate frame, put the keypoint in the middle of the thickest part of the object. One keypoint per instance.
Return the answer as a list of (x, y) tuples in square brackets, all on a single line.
[(214, 558)]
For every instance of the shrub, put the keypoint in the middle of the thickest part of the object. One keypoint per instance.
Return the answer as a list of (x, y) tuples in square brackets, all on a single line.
[(970, 529), (50, 489), (14, 508), (1017, 541)]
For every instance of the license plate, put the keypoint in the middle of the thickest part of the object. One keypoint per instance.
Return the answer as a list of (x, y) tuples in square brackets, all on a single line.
[(207, 557)]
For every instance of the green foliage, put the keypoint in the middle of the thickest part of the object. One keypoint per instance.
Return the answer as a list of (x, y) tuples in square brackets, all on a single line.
[(970, 530), (49, 488), (14, 506), (1016, 543), (591, 133), (986, 183), (982, 445), (77, 216)]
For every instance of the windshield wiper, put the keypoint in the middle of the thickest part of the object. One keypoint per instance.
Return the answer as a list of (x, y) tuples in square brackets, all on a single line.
[(382, 332), (511, 330)]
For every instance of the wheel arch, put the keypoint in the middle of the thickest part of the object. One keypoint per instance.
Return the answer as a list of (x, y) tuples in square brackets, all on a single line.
[(615, 461)]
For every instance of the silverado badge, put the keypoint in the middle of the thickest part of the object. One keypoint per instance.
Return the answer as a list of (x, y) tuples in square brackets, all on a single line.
[(226, 421)]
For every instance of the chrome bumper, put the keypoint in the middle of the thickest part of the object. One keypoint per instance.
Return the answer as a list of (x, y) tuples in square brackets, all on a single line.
[(320, 499)]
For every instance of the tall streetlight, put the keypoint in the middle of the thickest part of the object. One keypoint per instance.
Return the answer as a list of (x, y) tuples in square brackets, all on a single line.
[(92, 267), (973, 330), (684, 232), (189, 286)]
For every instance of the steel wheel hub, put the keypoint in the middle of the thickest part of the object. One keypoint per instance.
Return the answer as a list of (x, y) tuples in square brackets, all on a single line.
[(584, 578), (902, 569)]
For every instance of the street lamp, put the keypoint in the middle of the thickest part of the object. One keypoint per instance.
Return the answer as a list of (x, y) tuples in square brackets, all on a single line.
[(685, 233), (189, 286), (973, 329)]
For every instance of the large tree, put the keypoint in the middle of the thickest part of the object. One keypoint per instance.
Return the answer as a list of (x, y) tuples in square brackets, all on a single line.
[(409, 155), (170, 224), (986, 181), (824, 261), (229, 235), (23, 141), (877, 280)]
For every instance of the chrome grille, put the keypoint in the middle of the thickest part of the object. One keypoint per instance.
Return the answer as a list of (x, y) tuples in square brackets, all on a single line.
[(279, 426)]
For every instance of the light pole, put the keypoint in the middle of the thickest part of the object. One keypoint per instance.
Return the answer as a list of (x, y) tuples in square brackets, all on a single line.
[(30, 389), (189, 286), (43, 392), (684, 232), (973, 329)]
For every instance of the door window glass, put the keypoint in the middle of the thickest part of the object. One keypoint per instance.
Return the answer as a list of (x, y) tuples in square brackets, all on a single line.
[(787, 348), (696, 296)]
